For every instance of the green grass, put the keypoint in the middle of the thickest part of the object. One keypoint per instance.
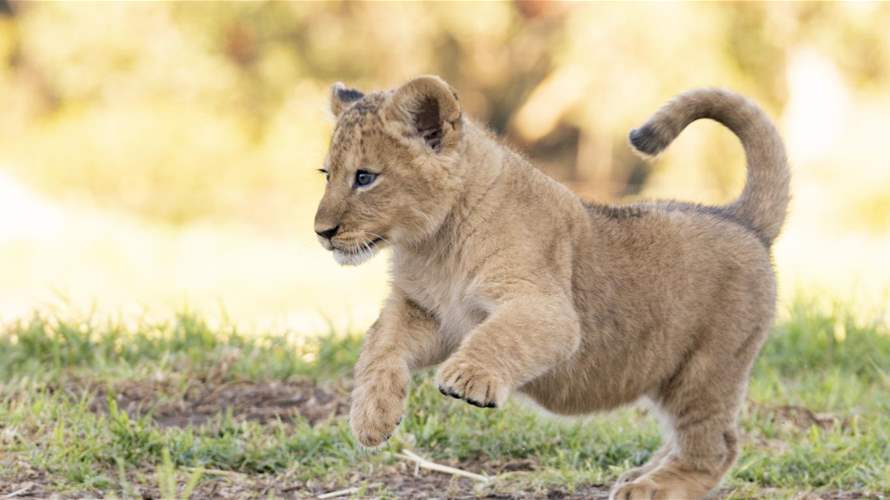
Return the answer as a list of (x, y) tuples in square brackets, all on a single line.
[(817, 418)]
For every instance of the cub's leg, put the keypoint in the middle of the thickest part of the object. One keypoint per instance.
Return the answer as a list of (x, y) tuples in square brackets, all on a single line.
[(668, 446), (402, 339), (691, 470), (702, 403), (654, 461), (522, 339)]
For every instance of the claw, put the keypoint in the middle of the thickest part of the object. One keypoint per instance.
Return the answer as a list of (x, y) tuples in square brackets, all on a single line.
[(489, 404), (448, 392), (475, 403)]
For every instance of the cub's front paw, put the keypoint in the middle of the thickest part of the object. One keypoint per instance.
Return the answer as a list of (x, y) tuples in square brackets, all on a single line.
[(476, 385), (375, 413)]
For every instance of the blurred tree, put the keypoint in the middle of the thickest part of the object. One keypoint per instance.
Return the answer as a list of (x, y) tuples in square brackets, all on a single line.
[(182, 111)]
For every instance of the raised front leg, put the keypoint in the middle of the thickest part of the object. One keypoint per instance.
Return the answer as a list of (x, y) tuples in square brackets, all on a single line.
[(523, 338), (402, 339)]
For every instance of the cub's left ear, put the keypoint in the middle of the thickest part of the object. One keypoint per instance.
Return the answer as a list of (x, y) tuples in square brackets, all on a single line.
[(342, 97), (430, 108)]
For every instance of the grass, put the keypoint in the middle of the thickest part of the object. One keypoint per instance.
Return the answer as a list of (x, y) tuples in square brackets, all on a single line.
[(817, 418)]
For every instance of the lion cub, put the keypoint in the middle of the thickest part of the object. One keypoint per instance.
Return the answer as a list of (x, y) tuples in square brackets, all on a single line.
[(512, 283)]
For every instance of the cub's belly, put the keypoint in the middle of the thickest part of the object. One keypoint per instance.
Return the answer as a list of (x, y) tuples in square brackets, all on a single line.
[(584, 386)]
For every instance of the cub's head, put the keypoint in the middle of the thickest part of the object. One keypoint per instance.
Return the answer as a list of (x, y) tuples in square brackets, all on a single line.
[(393, 170)]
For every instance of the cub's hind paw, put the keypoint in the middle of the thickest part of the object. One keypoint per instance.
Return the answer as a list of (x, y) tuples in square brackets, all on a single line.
[(647, 488), (635, 490)]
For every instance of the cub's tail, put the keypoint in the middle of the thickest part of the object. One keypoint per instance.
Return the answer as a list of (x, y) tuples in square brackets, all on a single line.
[(764, 201)]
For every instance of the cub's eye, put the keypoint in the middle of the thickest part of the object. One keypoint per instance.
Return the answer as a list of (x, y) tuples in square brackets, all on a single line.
[(364, 178)]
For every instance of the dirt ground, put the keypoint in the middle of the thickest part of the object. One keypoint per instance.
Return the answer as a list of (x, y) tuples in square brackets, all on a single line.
[(400, 481), (261, 402)]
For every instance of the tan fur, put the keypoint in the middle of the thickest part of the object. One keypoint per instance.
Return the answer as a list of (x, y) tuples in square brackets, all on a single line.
[(510, 282)]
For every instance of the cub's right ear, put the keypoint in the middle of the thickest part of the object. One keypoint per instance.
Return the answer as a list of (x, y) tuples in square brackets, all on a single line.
[(342, 97)]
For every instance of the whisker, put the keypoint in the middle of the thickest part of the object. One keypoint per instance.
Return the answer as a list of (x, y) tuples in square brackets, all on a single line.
[(380, 237)]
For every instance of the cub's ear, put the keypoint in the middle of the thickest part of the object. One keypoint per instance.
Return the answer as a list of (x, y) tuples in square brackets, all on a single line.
[(430, 109), (342, 97)]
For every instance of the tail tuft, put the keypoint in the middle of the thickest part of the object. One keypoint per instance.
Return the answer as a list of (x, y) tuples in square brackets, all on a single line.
[(647, 141)]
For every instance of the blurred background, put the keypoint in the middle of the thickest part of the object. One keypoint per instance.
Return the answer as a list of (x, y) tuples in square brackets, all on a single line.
[(156, 156)]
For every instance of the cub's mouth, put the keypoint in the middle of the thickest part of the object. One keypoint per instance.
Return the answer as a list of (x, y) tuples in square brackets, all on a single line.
[(357, 254)]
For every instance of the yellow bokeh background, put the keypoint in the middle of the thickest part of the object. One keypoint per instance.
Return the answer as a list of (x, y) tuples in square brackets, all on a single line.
[(155, 156)]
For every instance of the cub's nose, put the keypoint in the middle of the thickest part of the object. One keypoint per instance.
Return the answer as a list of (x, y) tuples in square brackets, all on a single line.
[(328, 233)]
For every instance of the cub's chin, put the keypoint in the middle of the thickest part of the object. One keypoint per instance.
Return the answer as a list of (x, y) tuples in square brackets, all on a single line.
[(358, 256)]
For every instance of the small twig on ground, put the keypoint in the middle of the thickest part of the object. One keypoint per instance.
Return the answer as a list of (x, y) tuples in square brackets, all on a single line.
[(20, 491), (426, 464), (339, 493)]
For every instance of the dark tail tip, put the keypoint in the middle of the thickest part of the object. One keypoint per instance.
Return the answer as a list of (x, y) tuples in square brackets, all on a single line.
[(646, 141)]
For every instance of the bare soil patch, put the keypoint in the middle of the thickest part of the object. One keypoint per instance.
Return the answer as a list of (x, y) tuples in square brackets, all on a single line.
[(798, 417), (246, 400)]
